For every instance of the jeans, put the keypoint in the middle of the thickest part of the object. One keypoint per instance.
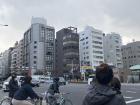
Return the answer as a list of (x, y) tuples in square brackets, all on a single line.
[(20, 102)]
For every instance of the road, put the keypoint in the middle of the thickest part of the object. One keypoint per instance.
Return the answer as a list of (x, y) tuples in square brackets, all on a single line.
[(78, 91)]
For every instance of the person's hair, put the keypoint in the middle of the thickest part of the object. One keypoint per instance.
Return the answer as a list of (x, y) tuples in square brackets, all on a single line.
[(55, 79), (104, 74), (27, 79), (116, 84), (14, 75)]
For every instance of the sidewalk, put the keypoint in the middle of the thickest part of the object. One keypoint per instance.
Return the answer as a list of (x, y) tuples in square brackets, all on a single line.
[(131, 84), (78, 82), (85, 82)]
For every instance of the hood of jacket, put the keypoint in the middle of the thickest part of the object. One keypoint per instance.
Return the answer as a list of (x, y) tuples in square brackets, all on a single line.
[(100, 94)]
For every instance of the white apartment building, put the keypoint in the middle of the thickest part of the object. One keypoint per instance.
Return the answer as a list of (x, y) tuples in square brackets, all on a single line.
[(39, 46), (91, 47), (112, 49), (17, 56)]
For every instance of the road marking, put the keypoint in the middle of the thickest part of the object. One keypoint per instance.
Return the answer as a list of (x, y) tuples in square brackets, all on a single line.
[(132, 101), (135, 88), (127, 97), (130, 91)]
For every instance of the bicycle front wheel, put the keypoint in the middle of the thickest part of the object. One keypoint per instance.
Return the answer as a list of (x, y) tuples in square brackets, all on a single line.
[(6, 101), (67, 102)]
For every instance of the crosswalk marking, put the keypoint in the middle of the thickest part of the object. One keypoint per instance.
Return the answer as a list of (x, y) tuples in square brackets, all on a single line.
[(127, 97), (132, 101), (130, 91)]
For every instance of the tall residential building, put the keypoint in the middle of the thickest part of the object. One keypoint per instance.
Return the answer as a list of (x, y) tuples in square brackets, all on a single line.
[(112, 49), (39, 47), (91, 47), (67, 51), (131, 54), (17, 56), (5, 63)]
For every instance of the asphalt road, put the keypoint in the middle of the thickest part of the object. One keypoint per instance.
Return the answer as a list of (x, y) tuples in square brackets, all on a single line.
[(78, 91)]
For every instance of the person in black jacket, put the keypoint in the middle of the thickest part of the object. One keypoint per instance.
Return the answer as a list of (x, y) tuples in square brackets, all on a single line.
[(13, 85), (102, 93), (24, 92)]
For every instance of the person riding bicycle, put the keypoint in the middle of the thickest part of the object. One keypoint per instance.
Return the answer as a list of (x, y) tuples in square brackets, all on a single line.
[(24, 92), (53, 89), (13, 85)]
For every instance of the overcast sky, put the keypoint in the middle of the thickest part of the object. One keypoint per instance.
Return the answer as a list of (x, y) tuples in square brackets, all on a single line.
[(121, 16)]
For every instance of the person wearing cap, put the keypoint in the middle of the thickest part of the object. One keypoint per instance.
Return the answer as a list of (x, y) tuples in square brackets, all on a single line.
[(13, 85), (102, 93)]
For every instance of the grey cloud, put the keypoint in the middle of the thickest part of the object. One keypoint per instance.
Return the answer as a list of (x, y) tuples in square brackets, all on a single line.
[(121, 16)]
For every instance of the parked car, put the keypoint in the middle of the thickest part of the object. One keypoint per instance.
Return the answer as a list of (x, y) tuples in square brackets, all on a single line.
[(36, 80), (48, 80)]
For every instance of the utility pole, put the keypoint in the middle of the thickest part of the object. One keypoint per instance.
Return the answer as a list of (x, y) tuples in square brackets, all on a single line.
[(3, 25)]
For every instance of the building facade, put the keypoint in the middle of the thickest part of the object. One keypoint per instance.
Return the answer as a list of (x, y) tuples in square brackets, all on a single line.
[(39, 47), (112, 50), (17, 56), (91, 47), (131, 54), (67, 51), (5, 63)]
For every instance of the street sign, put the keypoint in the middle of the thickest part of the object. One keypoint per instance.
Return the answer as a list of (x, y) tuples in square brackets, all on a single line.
[(86, 67)]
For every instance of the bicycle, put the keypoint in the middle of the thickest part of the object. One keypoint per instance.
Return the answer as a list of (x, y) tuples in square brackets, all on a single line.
[(61, 100), (8, 101)]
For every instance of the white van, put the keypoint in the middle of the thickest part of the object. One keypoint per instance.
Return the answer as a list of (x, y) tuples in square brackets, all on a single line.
[(91, 79), (5, 86), (46, 79)]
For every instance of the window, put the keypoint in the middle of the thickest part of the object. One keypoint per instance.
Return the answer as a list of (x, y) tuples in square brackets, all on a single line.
[(35, 57), (86, 37), (34, 62), (35, 42), (42, 34), (134, 56), (82, 39), (98, 52), (98, 57), (96, 42), (98, 47), (116, 41), (97, 37), (86, 42), (35, 46), (49, 53), (87, 47), (35, 52), (83, 43)]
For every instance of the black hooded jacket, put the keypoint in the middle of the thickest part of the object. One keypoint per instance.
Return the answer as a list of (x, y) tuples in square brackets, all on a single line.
[(13, 87), (103, 95)]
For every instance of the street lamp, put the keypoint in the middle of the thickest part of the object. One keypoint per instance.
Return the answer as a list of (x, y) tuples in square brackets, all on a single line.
[(3, 25)]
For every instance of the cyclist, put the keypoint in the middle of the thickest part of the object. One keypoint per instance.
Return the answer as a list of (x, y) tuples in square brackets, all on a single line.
[(13, 85), (116, 85), (53, 89), (24, 92)]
